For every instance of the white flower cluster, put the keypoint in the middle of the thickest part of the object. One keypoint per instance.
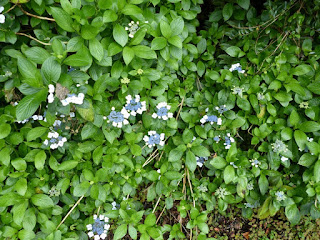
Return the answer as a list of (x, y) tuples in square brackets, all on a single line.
[(237, 67), (55, 140), (228, 141), (221, 192), (280, 195), (163, 111), (237, 91), (34, 117), (54, 192), (99, 229), (73, 98), (2, 17), (233, 165), (201, 160), (255, 162), (283, 159), (118, 119), (51, 91), (153, 139), (133, 28), (134, 105), (211, 119)]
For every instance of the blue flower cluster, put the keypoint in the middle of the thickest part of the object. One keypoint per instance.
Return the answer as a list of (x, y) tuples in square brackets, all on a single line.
[(99, 229), (154, 138)]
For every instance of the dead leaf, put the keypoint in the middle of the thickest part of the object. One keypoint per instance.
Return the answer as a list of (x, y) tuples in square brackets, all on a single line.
[(61, 91)]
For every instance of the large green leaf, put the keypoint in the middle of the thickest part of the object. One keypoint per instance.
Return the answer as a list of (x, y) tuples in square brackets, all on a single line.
[(42, 201), (29, 72), (29, 104), (145, 52), (62, 18), (120, 35), (51, 70), (81, 58)]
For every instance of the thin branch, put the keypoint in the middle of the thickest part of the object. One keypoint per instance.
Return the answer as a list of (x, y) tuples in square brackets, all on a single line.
[(36, 16), (70, 212), (155, 207), (33, 38), (160, 214), (181, 104), (194, 203), (10, 8)]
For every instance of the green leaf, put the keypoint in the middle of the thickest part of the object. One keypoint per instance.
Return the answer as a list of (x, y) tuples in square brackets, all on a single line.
[(191, 161), (150, 220), (165, 29), (51, 70), (229, 174), (158, 43), (40, 159), (245, 4), (177, 26), (294, 118), (29, 104), (128, 55), (120, 232), (218, 162), (227, 11), (96, 49), (293, 214), (145, 52), (81, 189), (120, 35), (309, 126), (109, 16), (29, 72), (5, 130), (302, 70), (131, 10), (21, 186), (200, 151), (314, 87), (36, 132), (316, 172), (80, 59), (307, 160), (233, 51), (132, 232), (42, 201), (263, 184), (37, 54), (62, 18), (177, 153), (89, 32), (68, 165), (175, 41)]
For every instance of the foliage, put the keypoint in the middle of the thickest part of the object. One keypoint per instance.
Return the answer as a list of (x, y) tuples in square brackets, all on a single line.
[(104, 100)]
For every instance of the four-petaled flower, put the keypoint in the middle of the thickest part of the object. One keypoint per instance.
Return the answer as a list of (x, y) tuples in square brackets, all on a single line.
[(134, 105), (99, 229), (236, 67), (211, 119), (163, 111), (153, 139), (118, 119)]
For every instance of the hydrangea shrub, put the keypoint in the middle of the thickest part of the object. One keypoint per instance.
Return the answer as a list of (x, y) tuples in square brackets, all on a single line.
[(114, 112)]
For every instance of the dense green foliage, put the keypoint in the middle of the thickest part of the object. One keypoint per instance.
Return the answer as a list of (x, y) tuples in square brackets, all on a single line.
[(129, 108)]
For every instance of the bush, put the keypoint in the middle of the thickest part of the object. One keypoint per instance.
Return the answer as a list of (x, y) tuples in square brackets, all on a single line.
[(115, 113)]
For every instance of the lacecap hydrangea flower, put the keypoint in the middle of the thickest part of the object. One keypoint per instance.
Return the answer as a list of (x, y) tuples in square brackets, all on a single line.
[(279, 146), (221, 192), (154, 138), (280, 195), (221, 109), (228, 141), (211, 119), (118, 119), (163, 111), (255, 162), (134, 105), (55, 140), (201, 160), (237, 90), (73, 98), (2, 17), (133, 28), (236, 67), (99, 229)]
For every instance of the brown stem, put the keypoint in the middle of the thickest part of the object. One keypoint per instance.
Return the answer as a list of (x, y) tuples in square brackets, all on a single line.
[(36, 16), (33, 38)]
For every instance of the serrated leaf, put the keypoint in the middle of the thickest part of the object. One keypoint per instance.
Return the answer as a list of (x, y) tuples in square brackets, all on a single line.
[(120, 35)]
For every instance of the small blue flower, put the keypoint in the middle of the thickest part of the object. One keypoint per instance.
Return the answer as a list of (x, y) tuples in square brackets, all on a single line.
[(154, 139), (134, 106), (211, 119), (118, 118), (99, 228), (236, 67), (163, 111), (228, 141), (216, 138), (221, 109), (201, 160)]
